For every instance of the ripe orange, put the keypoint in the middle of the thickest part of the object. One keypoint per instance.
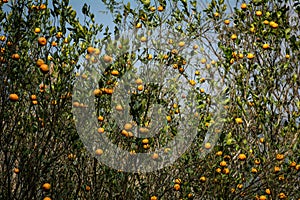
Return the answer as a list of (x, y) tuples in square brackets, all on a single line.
[(16, 170), (218, 170), (46, 186), (276, 169), (107, 59), (202, 179), (99, 152), (138, 81), (97, 92), (153, 198), (242, 156), (181, 44), (243, 6), (279, 157), (37, 30), (257, 161), (145, 141), (225, 171), (140, 87), (90, 50), (273, 24), (43, 6), (87, 188), (239, 120), (266, 46), (223, 163), (176, 187), (119, 108), (169, 119), (258, 13), (178, 181), (250, 56), (100, 130), (47, 198), (268, 191), (233, 36), (207, 145), (44, 68), (42, 41), (254, 170), (138, 25), (39, 62), (155, 156), (227, 21), (15, 56), (127, 126), (115, 72), (219, 153), (160, 8), (262, 197), (13, 97), (143, 39)]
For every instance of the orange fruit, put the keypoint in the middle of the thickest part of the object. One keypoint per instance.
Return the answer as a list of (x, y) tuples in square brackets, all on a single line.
[(87, 188), (97, 92), (37, 30), (16, 170), (145, 141), (13, 97), (143, 39), (225, 171), (115, 72), (107, 59), (119, 108), (239, 120), (266, 46), (223, 163), (254, 170), (227, 21), (233, 36), (139, 81), (100, 130), (202, 179), (127, 126), (257, 161), (42, 41), (90, 50), (266, 22), (181, 44), (219, 153), (276, 169), (262, 140), (279, 157), (243, 6), (169, 119), (99, 152), (43, 6), (282, 195), (218, 170), (258, 13), (268, 191), (153, 198), (15, 56), (100, 118), (155, 156), (242, 156), (140, 87), (47, 198), (160, 8), (207, 145), (152, 8), (287, 56), (293, 164), (176, 187), (240, 186), (178, 181), (250, 56), (262, 197), (44, 68), (39, 62), (46, 186), (138, 25)]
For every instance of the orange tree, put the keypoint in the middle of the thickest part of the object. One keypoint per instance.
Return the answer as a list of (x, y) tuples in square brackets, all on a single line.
[(252, 48)]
